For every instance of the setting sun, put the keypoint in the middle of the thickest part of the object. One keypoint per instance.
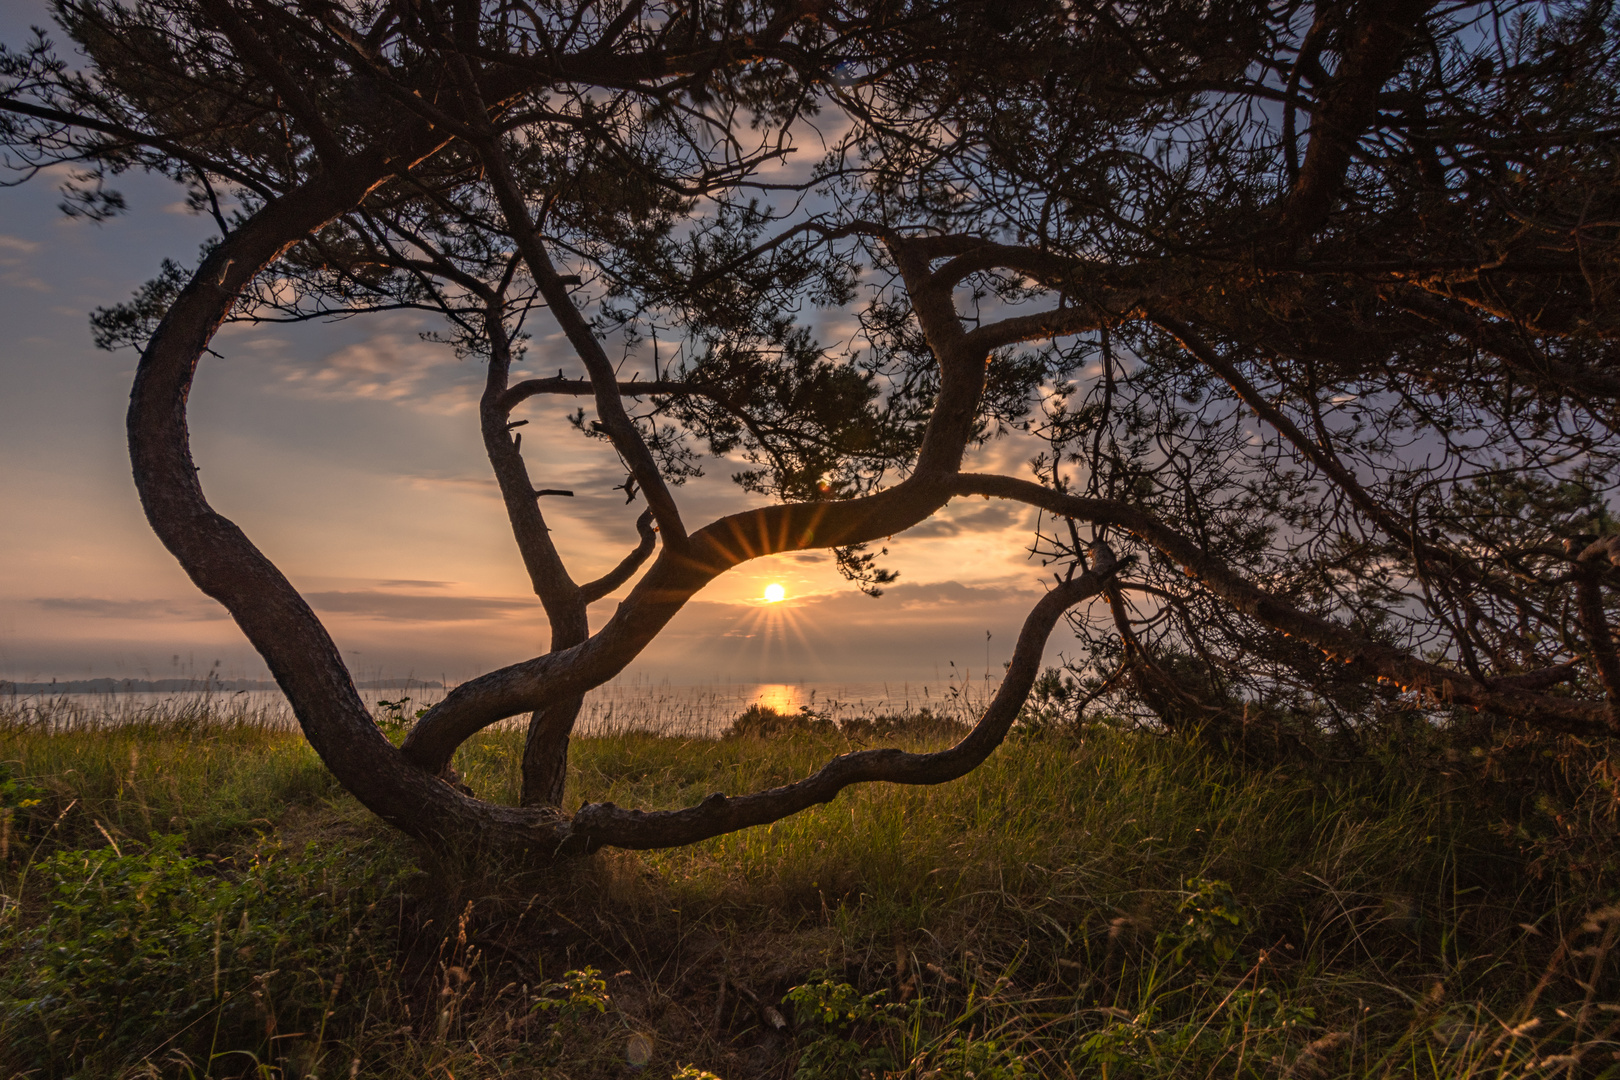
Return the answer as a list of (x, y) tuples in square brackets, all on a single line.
[(774, 593)]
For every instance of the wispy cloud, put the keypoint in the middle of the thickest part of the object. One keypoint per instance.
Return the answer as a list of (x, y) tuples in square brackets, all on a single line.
[(416, 607), (389, 366), (962, 518), (473, 485), (145, 610), (17, 279), (393, 365), (12, 256)]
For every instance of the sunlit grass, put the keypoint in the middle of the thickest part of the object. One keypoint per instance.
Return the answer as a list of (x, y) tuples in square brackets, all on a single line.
[(1388, 917)]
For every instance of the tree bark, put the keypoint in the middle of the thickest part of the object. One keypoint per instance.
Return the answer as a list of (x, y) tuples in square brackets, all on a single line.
[(1348, 106), (545, 750)]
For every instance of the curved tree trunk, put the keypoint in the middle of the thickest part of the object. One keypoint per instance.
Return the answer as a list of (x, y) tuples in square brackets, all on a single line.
[(403, 786), (223, 563), (602, 824), (545, 750), (407, 786)]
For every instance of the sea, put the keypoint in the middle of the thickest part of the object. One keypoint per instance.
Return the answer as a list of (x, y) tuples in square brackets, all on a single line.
[(703, 710)]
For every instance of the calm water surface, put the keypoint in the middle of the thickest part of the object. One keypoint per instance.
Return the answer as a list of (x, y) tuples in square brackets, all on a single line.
[(630, 703)]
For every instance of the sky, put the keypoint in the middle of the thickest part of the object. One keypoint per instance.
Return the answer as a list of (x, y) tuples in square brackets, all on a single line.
[(350, 454)]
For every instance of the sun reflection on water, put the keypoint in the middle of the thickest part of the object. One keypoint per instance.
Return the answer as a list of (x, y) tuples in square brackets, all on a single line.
[(783, 697)]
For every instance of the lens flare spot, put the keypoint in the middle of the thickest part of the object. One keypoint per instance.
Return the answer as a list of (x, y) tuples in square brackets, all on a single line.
[(774, 593)]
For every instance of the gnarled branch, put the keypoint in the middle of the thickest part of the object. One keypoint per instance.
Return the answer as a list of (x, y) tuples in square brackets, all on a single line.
[(528, 388), (593, 591), (603, 824), (1375, 658)]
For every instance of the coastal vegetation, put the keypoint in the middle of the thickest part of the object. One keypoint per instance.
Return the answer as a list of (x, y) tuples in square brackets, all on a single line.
[(1308, 314), (190, 893), (1308, 309)]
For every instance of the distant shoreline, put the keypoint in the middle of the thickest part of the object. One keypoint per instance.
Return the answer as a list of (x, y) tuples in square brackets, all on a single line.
[(195, 686)]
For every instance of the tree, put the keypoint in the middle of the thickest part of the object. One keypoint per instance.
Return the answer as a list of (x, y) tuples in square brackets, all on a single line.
[(1366, 362), (1382, 230)]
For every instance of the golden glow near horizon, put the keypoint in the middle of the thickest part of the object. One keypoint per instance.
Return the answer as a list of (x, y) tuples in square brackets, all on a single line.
[(84, 591), (775, 593)]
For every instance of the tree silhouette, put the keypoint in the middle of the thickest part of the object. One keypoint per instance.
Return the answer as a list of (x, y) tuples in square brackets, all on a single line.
[(1311, 305)]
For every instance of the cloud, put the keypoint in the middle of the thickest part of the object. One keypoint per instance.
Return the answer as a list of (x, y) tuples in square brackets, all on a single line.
[(474, 485), (11, 247), (19, 280), (379, 603), (952, 522), (144, 610), (392, 365), (416, 607), (945, 599), (387, 367)]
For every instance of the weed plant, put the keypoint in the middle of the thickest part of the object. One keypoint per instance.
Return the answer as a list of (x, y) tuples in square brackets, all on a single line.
[(188, 893)]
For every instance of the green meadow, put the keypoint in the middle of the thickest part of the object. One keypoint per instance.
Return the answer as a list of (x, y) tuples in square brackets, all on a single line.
[(188, 893)]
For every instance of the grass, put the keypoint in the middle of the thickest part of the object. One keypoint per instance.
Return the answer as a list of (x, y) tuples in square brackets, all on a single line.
[(188, 893)]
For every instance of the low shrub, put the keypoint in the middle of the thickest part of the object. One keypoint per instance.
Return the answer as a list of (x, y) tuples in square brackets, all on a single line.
[(922, 725), (20, 803), (155, 950), (763, 722)]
